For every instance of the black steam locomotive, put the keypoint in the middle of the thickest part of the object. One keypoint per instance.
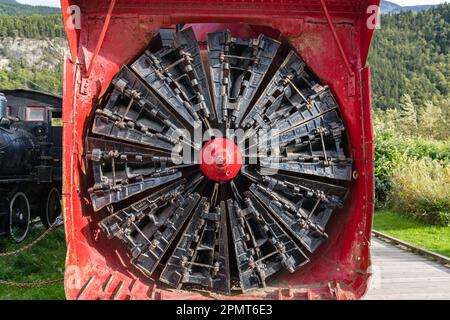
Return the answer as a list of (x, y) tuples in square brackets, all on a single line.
[(30, 160)]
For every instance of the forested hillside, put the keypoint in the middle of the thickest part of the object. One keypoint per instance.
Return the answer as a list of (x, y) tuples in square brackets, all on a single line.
[(32, 27), (32, 54), (390, 7), (32, 47), (411, 55), (410, 61), (32, 22), (12, 8)]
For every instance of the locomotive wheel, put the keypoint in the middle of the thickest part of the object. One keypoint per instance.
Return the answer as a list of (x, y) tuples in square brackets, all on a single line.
[(51, 208), (19, 213)]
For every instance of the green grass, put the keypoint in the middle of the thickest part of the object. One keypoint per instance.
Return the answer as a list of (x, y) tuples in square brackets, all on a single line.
[(43, 262), (418, 233)]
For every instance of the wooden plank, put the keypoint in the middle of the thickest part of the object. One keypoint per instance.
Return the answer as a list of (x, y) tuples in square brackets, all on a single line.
[(419, 267), (408, 296), (421, 279), (400, 287), (438, 257), (402, 275)]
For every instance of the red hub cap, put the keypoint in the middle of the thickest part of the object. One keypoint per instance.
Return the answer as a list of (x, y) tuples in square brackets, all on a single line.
[(220, 160)]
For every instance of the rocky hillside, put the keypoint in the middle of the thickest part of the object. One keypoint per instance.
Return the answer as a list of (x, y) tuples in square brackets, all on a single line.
[(32, 53), (35, 64), (12, 8), (32, 47)]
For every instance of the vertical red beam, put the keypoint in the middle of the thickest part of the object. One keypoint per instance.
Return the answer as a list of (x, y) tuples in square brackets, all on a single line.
[(68, 124), (369, 146), (101, 38), (336, 38), (369, 181), (351, 75)]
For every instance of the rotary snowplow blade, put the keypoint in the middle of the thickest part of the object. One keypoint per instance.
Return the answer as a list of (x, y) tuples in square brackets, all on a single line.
[(153, 223)]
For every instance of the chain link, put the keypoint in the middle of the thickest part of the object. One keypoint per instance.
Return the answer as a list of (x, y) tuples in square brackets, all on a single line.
[(30, 284), (24, 248), (31, 244)]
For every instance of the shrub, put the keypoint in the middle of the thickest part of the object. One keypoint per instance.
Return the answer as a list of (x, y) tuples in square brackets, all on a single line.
[(430, 122), (433, 121), (393, 149), (421, 188), (419, 148), (387, 159)]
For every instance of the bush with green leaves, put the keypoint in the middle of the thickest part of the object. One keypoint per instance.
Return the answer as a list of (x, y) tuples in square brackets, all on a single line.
[(402, 134), (387, 160), (418, 148), (392, 151), (421, 188)]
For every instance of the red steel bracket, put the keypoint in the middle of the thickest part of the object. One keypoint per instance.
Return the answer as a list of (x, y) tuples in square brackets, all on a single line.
[(351, 74), (86, 80)]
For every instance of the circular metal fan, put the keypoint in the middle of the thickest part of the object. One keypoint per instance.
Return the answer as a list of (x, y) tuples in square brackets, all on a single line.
[(217, 179)]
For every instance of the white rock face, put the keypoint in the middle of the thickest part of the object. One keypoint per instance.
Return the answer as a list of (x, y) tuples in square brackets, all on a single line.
[(40, 53)]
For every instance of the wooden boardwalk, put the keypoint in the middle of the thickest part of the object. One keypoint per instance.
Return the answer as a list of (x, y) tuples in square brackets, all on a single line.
[(402, 275)]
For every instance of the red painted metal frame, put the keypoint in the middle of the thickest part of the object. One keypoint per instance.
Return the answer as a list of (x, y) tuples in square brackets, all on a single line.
[(331, 36)]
